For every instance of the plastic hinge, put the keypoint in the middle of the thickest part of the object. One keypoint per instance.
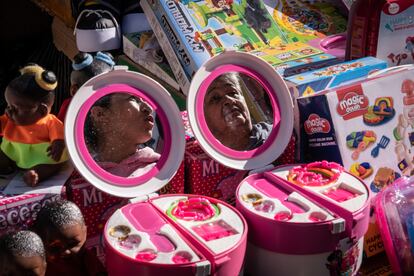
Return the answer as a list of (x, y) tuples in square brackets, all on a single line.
[(142, 198), (338, 226), (203, 268)]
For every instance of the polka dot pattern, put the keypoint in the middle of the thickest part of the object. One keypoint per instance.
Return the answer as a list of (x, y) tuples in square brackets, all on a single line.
[(205, 176)]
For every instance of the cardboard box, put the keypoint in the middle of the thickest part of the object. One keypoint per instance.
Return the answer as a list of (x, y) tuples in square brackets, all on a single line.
[(378, 266), (368, 128), (63, 38), (306, 20), (191, 32), (373, 243), (302, 65), (59, 8), (385, 31), (309, 83), (375, 111), (144, 49), (205, 176), (95, 244), (20, 211), (96, 206)]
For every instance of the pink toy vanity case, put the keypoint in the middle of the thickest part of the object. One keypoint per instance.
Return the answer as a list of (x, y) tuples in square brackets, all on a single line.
[(302, 222), (395, 218), (176, 235), (154, 235)]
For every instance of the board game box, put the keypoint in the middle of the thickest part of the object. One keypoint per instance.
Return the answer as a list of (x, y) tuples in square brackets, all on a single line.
[(191, 32), (144, 49), (301, 21)]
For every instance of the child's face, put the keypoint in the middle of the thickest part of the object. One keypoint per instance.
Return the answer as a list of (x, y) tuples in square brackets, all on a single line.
[(129, 117), (66, 243), (30, 266), (20, 110)]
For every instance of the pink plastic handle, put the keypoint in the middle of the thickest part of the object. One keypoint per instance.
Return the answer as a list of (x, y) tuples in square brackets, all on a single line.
[(333, 41)]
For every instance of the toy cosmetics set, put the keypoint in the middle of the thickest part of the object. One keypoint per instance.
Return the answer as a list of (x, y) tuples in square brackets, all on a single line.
[(191, 32), (395, 217), (370, 31), (366, 126), (314, 215), (172, 234)]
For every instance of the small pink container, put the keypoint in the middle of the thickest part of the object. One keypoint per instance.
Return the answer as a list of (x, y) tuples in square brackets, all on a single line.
[(303, 230), (395, 217)]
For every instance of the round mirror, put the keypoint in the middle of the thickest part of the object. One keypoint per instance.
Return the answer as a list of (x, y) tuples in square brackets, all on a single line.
[(119, 136), (240, 110)]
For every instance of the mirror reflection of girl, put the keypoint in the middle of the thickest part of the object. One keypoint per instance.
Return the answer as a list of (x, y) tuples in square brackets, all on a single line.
[(32, 137), (116, 130)]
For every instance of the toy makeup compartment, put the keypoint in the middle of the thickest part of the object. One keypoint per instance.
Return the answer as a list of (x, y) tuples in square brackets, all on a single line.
[(152, 235), (395, 216), (176, 234), (313, 214)]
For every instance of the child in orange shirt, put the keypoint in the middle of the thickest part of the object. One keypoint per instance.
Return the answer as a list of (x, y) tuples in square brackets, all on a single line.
[(62, 228), (32, 137)]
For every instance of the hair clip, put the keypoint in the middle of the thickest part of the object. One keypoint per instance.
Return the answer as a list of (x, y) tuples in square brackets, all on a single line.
[(45, 79), (105, 58), (86, 62)]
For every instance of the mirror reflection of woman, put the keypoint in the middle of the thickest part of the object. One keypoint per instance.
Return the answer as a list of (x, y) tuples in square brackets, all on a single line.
[(116, 130), (228, 116)]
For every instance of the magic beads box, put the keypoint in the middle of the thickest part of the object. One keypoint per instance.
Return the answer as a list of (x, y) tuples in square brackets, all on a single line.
[(366, 126)]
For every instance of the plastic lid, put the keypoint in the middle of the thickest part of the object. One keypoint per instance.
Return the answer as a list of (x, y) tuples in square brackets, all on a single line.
[(395, 218), (149, 169), (263, 93)]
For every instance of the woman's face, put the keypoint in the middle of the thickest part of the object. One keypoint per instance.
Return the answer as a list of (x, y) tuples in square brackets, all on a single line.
[(129, 118), (225, 108)]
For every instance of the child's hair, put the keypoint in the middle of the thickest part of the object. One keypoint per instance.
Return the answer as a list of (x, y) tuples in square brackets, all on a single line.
[(35, 83), (57, 215), (85, 66), (90, 130), (21, 243)]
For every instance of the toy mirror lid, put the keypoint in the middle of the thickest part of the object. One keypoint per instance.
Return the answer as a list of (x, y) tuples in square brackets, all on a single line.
[(124, 133), (240, 110)]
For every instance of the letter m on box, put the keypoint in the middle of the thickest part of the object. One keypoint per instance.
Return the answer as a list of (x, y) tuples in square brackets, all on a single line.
[(351, 102)]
